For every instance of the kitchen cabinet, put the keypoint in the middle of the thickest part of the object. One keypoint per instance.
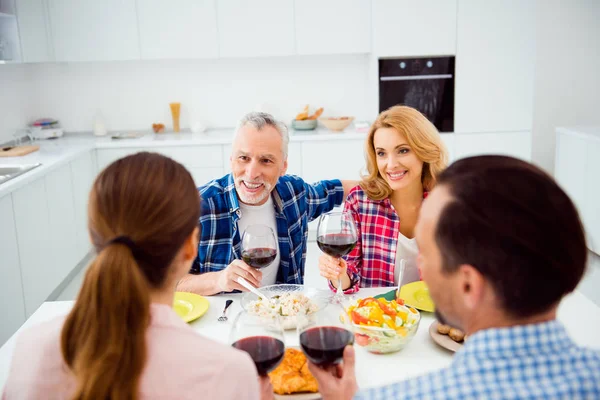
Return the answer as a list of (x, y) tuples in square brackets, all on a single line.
[(91, 30), (495, 52), (34, 237), (61, 216), (515, 144), (10, 46), (34, 30), (177, 29), (332, 160), (570, 169), (448, 140), (257, 28), (83, 174), (11, 288), (203, 162), (333, 26), (591, 206), (414, 28), (576, 170)]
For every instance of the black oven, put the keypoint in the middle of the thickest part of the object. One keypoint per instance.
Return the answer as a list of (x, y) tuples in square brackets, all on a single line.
[(424, 83)]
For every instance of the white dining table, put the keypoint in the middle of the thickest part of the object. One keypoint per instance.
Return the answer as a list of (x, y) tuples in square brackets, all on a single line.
[(580, 316)]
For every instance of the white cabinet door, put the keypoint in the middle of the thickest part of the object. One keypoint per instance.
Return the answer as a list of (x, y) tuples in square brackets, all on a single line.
[(414, 28), (82, 175), (495, 54), (92, 30), (333, 26), (332, 160), (204, 175), (203, 162), (104, 157), (256, 28), (591, 196), (30, 205), (61, 210), (448, 139), (178, 29), (515, 144), (34, 30), (11, 288), (570, 167)]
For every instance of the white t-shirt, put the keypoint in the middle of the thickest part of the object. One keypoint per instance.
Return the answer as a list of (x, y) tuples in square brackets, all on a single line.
[(407, 249), (261, 215)]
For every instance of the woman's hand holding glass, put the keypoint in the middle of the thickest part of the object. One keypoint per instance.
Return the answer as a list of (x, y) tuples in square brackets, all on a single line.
[(334, 269)]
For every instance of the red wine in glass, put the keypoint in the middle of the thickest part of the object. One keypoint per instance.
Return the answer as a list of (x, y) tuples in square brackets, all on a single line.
[(259, 257), (324, 345), (336, 244), (266, 352), (337, 236)]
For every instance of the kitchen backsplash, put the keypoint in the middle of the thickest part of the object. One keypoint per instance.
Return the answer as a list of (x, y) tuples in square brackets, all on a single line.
[(135, 94), (17, 100)]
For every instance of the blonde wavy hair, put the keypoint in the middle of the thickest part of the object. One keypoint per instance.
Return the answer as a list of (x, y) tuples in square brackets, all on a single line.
[(424, 140)]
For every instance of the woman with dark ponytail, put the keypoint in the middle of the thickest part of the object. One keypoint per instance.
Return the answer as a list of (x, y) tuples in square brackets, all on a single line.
[(122, 340)]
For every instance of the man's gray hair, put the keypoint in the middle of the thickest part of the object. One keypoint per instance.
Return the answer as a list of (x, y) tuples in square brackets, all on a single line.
[(261, 119)]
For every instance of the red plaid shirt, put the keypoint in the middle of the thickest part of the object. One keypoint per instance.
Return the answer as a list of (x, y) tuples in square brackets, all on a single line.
[(372, 262)]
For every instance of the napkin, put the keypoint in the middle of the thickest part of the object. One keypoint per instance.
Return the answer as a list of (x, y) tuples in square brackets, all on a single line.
[(389, 296)]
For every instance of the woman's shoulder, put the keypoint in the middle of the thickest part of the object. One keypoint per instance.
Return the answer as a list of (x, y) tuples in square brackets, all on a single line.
[(358, 196)]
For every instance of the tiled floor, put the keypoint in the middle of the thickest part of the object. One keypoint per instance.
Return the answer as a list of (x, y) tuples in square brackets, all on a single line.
[(590, 286)]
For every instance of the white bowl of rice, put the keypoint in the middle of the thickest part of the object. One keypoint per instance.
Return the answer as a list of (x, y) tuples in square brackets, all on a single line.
[(290, 301)]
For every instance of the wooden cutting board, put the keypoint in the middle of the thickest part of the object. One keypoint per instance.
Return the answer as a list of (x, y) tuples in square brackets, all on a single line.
[(18, 151)]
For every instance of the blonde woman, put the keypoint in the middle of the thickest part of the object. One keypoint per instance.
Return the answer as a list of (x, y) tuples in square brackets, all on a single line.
[(404, 154)]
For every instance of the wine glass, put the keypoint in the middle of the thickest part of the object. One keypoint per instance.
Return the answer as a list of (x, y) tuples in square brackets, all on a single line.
[(324, 334), (337, 236), (259, 246), (261, 337)]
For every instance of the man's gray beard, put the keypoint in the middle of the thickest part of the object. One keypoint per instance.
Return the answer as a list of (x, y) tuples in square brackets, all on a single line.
[(254, 200)]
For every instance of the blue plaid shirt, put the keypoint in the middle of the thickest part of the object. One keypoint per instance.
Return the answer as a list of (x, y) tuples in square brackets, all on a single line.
[(295, 202), (524, 362)]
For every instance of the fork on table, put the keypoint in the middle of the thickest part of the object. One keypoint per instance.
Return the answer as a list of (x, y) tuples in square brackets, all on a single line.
[(223, 317)]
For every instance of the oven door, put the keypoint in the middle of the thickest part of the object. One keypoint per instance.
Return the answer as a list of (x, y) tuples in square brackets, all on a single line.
[(425, 84)]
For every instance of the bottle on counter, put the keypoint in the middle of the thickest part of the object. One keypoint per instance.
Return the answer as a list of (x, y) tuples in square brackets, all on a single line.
[(99, 125)]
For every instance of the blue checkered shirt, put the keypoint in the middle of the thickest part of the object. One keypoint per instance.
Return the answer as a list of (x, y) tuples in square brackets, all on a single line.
[(524, 362), (295, 202)]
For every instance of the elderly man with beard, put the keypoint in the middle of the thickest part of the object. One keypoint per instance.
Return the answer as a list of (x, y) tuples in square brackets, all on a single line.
[(257, 191), (500, 245)]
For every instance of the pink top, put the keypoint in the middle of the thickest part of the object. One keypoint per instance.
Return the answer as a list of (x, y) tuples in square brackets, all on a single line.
[(181, 364)]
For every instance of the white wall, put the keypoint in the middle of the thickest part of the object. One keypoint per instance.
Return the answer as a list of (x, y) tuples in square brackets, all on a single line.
[(135, 94), (17, 100), (567, 71)]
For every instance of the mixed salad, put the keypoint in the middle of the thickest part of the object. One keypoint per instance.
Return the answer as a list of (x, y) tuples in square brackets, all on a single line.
[(383, 326)]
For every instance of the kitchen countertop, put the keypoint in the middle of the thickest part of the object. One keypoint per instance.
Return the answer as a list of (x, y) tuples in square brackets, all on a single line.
[(56, 152), (586, 132)]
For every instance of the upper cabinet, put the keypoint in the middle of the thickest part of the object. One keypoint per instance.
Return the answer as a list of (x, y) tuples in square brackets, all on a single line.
[(414, 28), (10, 46), (333, 26), (178, 29), (34, 29), (91, 30), (495, 53), (256, 28)]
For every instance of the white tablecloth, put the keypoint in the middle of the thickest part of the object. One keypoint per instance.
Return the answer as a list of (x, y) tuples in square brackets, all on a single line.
[(579, 314)]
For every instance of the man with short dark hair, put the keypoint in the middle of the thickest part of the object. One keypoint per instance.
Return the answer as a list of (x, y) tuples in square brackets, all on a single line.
[(500, 245)]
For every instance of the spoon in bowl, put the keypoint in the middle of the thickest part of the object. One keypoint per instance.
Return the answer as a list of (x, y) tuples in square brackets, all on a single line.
[(254, 290)]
